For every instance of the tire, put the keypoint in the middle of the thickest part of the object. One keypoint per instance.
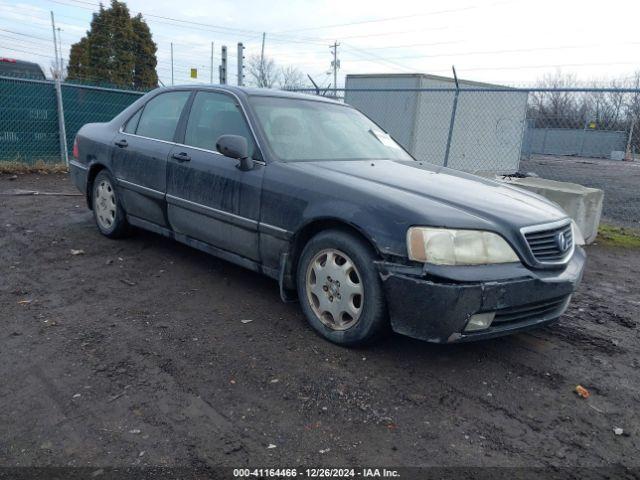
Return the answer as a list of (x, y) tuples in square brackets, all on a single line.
[(340, 290), (108, 213)]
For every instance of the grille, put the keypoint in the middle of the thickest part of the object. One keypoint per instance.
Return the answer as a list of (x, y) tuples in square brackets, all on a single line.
[(545, 246), (531, 311)]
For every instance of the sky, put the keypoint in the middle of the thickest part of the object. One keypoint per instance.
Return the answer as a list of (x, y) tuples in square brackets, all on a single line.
[(511, 42)]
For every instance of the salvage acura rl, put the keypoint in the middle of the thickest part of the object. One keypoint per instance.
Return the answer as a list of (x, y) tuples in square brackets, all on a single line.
[(314, 194)]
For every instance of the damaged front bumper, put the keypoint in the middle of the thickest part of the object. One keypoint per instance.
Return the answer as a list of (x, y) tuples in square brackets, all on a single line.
[(436, 303)]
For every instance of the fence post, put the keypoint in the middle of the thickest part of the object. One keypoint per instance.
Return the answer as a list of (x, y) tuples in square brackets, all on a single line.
[(453, 118), (62, 131), (584, 134), (628, 155)]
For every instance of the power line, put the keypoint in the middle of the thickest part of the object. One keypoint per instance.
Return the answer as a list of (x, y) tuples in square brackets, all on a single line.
[(399, 17), (26, 51), (25, 35)]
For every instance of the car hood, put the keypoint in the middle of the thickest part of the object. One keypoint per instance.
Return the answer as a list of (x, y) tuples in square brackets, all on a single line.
[(410, 181)]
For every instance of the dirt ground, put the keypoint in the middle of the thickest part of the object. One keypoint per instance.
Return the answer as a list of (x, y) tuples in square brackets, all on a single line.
[(145, 352)]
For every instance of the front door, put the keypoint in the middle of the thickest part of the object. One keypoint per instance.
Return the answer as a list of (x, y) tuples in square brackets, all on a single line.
[(140, 154), (208, 197)]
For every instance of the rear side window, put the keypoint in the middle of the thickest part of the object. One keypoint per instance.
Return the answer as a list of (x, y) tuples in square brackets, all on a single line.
[(160, 115), (212, 115), (132, 124)]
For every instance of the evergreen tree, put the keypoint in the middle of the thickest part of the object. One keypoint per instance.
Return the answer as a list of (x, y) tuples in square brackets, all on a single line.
[(79, 59), (144, 49), (117, 50)]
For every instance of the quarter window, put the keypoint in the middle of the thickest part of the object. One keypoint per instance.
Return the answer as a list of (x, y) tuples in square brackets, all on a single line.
[(212, 115), (161, 115), (132, 124)]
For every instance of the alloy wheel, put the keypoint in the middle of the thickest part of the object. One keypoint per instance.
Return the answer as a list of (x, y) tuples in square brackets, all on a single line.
[(334, 289), (105, 204)]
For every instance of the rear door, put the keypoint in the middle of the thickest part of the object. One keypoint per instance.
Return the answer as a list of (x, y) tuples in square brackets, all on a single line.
[(208, 197), (140, 155)]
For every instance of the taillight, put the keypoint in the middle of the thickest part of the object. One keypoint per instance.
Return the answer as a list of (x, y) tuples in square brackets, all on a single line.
[(75, 152)]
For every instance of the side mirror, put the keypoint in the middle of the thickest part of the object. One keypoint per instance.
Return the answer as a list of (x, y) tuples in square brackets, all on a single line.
[(235, 146)]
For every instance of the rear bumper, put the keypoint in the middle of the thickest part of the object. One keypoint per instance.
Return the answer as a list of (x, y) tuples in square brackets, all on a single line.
[(78, 174), (436, 305)]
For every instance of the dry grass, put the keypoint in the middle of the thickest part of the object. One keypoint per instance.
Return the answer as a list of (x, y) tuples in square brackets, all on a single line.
[(13, 168)]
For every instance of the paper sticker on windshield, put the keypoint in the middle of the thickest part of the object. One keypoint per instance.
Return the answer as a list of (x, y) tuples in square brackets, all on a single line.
[(385, 139)]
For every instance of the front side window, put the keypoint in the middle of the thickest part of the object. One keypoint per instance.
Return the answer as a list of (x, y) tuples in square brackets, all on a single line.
[(307, 130), (161, 114), (212, 115)]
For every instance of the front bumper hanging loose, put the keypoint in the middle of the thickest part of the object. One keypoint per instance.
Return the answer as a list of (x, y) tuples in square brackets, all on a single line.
[(435, 304)]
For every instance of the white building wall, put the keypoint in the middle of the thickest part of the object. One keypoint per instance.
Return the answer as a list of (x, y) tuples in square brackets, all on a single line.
[(488, 130), (393, 111)]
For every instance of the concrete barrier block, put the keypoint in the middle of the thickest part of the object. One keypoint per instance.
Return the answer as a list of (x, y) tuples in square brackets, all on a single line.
[(583, 204)]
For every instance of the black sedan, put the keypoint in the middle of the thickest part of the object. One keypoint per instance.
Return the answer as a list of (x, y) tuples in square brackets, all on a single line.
[(315, 195)]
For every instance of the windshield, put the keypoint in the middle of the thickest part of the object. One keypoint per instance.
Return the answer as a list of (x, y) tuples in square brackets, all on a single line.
[(299, 130)]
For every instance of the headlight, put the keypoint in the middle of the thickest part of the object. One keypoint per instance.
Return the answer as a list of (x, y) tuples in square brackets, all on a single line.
[(442, 246)]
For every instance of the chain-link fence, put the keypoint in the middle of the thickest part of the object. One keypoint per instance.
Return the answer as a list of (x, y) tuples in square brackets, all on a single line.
[(586, 136), (31, 110)]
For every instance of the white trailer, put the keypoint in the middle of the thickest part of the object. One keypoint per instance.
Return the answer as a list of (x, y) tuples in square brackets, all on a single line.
[(488, 127)]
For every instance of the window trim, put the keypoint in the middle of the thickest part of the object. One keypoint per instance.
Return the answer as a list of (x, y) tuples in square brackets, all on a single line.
[(243, 112), (181, 127), (124, 125), (143, 107), (182, 137)]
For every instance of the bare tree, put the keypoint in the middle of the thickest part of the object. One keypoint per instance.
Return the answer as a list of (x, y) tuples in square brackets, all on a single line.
[(557, 108), (291, 78), (263, 72)]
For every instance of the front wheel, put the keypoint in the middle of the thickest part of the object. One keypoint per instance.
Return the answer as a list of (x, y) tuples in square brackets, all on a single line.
[(107, 210), (340, 290)]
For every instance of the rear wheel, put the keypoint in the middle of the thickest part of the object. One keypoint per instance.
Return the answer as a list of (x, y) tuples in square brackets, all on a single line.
[(340, 290), (107, 210)]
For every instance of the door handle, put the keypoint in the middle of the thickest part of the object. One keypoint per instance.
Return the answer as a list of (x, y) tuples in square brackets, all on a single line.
[(181, 157), (122, 143)]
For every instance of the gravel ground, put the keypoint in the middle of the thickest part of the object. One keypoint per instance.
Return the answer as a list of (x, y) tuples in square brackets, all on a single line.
[(619, 180), (144, 352)]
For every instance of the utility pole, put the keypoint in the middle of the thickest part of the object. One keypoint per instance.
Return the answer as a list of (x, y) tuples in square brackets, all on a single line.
[(55, 45), (262, 79), (335, 64), (240, 64), (223, 65), (171, 63), (60, 52), (62, 131), (211, 74)]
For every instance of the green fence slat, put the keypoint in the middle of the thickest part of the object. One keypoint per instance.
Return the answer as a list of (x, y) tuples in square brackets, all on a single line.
[(29, 117)]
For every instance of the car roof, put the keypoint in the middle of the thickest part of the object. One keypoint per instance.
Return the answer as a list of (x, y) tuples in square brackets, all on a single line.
[(258, 92)]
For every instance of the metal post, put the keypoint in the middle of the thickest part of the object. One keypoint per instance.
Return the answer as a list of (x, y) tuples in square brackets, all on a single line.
[(584, 135), (211, 74), (453, 118), (628, 154), (61, 125), (172, 63), (240, 64), (60, 51), (223, 65), (335, 66), (55, 42), (62, 131), (262, 76)]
